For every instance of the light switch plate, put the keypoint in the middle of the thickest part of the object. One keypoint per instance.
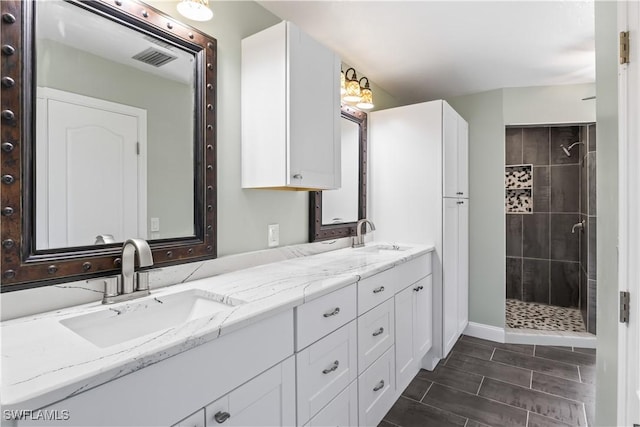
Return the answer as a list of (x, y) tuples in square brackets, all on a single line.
[(155, 224), (273, 235)]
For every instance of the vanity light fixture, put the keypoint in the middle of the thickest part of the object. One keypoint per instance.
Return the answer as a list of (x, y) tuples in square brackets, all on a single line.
[(353, 93), (366, 100), (196, 10)]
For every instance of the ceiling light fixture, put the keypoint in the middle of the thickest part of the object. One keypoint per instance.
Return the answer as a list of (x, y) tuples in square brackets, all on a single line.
[(196, 10)]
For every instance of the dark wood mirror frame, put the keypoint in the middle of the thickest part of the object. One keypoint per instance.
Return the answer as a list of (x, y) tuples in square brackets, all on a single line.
[(319, 231), (25, 267)]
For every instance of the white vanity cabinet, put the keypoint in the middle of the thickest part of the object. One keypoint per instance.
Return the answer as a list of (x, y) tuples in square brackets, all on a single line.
[(290, 111), (267, 400), (413, 329)]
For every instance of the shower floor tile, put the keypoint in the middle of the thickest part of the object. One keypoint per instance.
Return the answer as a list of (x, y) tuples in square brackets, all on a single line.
[(529, 315)]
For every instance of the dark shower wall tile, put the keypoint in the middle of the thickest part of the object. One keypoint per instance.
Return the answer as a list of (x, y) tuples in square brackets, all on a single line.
[(591, 308), (591, 185), (591, 251), (513, 146), (565, 245), (565, 135), (535, 233), (592, 137), (565, 193), (535, 146), (514, 235), (541, 191), (565, 283), (514, 278), (535, 280), (583, 296)]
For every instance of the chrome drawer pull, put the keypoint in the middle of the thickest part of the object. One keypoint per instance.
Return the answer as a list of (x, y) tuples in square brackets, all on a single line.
[(378, 332), (332, 368), (378, 290), (221, 417), (332, 313), (379, 386), (418, 289)]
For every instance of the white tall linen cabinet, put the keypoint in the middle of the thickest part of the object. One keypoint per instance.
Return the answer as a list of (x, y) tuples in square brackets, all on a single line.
[(419, 193)]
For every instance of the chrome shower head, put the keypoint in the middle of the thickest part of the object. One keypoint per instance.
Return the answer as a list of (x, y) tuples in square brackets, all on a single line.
[(567, 150)]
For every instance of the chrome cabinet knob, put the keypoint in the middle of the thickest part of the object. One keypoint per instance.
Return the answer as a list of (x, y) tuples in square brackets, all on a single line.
[(332, 368), (332, 313), (378, 290), (221, 417), (379, 386), (378, 332)]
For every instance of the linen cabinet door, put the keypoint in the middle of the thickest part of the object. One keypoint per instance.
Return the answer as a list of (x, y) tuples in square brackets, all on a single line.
[(449, 152), (450, 274), (463, 265), (463, 158)]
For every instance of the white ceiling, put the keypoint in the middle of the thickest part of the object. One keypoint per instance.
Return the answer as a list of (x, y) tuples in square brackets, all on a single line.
[(424, 50)]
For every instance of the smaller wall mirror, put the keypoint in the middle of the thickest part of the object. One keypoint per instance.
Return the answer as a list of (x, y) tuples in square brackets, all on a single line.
[(334, 213)]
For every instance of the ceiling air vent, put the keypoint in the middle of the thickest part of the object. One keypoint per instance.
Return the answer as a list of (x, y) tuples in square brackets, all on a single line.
[(154, 57)]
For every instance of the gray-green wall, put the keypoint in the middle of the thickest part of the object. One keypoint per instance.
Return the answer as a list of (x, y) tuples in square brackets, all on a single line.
[(487, 114), (607, 190)]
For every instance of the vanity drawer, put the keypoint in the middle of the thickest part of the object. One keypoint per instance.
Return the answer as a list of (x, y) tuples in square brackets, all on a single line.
[(375, 289), (323, 315), (412, 271), (341, 411), (376, 390), (324, 369), (375, 333)]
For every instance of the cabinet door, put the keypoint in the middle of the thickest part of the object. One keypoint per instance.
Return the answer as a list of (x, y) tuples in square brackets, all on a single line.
[(463, 265), (463, 158), (314, 112), (449, 151), (405, 352), (450, 274), (422, 330), (376, 390), (267, 400), (195, 420), (341, 411)]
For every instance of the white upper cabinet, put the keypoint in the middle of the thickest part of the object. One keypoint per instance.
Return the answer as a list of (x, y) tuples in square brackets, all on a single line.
[(290, 111), (455, 153)]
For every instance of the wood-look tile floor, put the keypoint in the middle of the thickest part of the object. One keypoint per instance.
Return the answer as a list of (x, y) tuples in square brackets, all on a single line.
[(483, 383)]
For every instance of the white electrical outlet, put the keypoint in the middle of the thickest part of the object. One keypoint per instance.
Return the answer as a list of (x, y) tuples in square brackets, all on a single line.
[(155, 224), (273, 237)]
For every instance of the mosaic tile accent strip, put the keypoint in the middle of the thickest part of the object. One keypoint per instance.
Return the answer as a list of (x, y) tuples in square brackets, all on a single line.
[(518, 201), (528, 315), (516, 177)]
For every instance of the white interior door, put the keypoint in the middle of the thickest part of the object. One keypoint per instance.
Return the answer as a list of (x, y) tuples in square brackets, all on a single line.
[(629, 208), (93, 168)]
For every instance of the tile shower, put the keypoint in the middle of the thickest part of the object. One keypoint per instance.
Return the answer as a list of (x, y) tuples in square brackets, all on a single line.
[(550, 206)]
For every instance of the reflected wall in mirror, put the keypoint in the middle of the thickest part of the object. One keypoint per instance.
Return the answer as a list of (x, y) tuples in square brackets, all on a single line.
[(334, 213), (108, 133), (113, 113)]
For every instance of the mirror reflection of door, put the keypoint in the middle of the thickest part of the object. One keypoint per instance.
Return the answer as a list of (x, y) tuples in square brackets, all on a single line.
[(340, 206), (91, 175)]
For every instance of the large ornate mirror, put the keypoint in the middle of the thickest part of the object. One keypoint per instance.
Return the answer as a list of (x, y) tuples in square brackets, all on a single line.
[(334, 213), (108, 133)]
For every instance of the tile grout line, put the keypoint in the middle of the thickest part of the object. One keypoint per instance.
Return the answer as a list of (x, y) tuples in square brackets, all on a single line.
[(584, 410), (466, 422), (492, 353), (579, 375), (480, 386), (527, 424), (425, 393), (531, 381)]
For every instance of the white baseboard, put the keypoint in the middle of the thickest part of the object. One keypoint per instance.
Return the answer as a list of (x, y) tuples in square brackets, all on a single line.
[(486, 332), (557, 338)]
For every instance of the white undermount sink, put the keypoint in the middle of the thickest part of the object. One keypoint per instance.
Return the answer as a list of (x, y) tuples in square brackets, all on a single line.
[(124, 322), (383, 248)]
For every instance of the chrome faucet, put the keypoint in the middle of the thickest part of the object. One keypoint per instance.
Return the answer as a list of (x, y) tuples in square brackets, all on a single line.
[(579, 225), (130, 284), (358, 239)]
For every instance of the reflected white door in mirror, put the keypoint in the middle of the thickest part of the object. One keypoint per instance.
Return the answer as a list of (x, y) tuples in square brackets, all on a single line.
[(91, 178)]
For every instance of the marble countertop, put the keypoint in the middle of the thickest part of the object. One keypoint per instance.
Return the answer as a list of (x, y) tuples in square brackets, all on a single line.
[(44, 362)]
